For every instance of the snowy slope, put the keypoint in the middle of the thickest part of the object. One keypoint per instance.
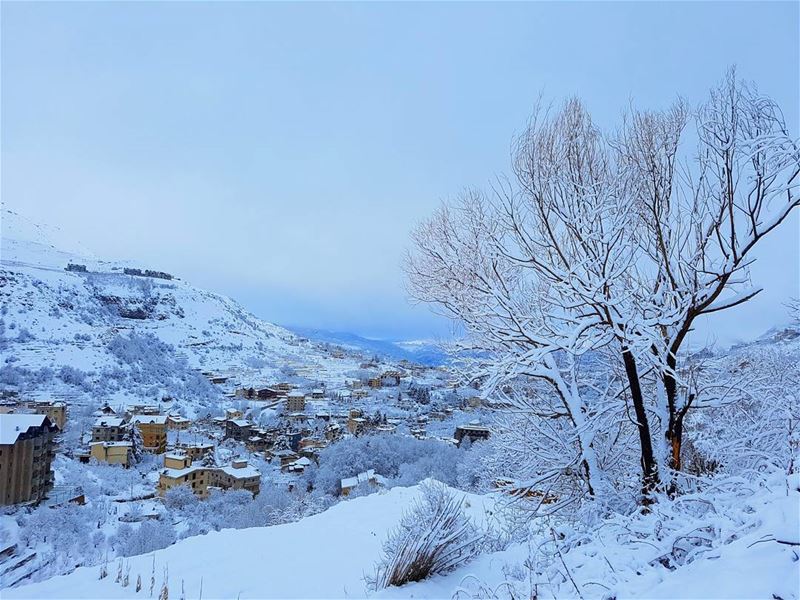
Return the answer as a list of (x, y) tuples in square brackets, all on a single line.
[(104, 320), (329, 554), (324, 556)]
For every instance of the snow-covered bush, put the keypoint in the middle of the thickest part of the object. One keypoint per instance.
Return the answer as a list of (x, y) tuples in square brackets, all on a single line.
[(72, 376), (433, 537), (180, 497), (151, 535)]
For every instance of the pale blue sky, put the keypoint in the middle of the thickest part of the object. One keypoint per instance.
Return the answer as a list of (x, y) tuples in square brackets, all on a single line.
[(280, 153)]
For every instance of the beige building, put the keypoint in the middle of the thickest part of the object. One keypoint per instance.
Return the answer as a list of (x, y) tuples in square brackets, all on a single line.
[(195, 451), (27, 448), (239, 475), (154, 432), (113, 453), (177, 422)]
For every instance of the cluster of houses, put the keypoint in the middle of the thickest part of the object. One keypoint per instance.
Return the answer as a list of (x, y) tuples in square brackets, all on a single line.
[(29, 430), (112, 438)]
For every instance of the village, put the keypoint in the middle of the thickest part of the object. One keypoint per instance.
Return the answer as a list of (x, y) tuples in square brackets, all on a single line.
[(266, 435)]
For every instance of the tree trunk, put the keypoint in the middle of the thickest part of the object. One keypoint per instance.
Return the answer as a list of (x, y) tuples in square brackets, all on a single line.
[(674, 430), (650, 478)]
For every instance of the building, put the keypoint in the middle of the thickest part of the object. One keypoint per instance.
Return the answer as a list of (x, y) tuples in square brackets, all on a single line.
[(297, 467), (317, 394), (143, 409), (239, 475), (295, 402), (391, 378), (55, 411), (233, 413), (368, 477), (356, 423), (153, 429), (177, 422), (177, 460), (333, 431), (113, 453), (109, 429), (105, 411), (473, 431), (27, 447), (195, 451), (285, 456), (267, 393), (238, 429)]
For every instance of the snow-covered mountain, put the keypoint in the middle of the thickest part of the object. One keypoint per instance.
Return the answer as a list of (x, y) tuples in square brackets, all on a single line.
[(424, 352), (130, 337)]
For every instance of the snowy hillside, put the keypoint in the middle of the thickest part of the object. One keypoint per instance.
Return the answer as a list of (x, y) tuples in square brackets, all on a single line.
[(340, 547), (144, 337)]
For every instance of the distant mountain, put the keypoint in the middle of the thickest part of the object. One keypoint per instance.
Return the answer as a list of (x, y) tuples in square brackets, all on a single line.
[(423, 352)]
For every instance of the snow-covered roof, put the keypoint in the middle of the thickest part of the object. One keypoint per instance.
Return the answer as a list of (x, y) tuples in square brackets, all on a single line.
[(351, 482), (241, 422), (147, 419), (240, 472), (283, 452), (111, 444), (109, 422), (14, 425), (175, 456), (473, 426), (176, 473)]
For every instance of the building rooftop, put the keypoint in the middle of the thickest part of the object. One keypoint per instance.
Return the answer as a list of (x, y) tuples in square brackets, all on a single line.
[(109, 422), (14, 425), (112, 444), (148, 419), (240, 472)]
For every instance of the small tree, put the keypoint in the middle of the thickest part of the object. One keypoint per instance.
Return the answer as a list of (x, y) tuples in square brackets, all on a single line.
[(134, 436)]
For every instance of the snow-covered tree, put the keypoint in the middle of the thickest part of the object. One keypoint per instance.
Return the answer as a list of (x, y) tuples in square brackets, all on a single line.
[(600, 256), (134, 436)]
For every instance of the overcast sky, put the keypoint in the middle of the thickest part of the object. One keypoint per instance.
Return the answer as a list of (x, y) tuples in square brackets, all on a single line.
[(281, 153)]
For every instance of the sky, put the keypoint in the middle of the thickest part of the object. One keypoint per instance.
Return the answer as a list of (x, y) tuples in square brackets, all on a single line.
[(281, 153)]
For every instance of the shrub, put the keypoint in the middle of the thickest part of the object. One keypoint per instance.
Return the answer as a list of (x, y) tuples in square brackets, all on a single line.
[(435, 536)]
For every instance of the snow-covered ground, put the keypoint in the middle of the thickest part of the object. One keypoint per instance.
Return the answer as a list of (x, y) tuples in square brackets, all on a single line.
[(329, 555)]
